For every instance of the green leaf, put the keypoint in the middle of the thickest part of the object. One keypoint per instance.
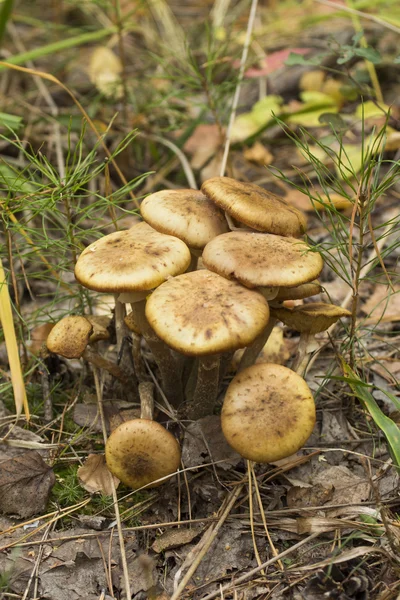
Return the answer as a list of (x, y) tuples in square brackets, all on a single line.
[(249, 124), (385, 424), (369, 54), (5, 14), (10, 121), (300, 59)]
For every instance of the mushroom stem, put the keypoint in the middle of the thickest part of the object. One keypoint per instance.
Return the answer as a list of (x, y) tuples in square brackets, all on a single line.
[(119, 314), (193, 262), (206, 390), (162, 355), (102, 363), (303, 349), (251, 353), (146, 393)]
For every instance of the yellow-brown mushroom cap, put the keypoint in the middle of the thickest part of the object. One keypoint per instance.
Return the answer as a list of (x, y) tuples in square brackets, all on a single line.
[(268, 413), (262, 259), (140, 451), (69, 337), (304, 290), (201, 313), (138, 258), (187, 214), (252, 205), (310, 318)]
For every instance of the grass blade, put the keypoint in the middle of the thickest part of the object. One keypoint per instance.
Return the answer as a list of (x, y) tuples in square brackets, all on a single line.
[(5, 13), (6, 319), (385, 424)]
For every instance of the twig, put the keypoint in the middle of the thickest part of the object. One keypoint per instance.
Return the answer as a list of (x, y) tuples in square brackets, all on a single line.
[(235, 101), (363, 15), (209, 537), (114, 491)]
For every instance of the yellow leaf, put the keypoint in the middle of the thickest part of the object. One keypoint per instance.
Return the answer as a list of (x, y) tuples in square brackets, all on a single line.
[(6, 319)]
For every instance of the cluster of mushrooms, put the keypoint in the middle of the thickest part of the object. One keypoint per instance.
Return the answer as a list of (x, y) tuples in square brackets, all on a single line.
[(194, 313)]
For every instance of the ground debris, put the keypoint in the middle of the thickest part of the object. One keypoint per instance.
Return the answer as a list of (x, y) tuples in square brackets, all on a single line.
[(25, 484)]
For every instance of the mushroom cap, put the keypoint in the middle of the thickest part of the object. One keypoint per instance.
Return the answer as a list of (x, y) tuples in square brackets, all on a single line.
[(135, 259), (304, 290), (201, 313), (258, 208), (140, 451), (268, 413), (262, 259), (310, 318), (69, 337), (187, 214)]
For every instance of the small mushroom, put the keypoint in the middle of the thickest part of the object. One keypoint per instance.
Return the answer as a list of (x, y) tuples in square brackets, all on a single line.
[(140, 452), (268, 413), (70, 338), (202, 314), (308, 319), (188, 215), (255, 207)]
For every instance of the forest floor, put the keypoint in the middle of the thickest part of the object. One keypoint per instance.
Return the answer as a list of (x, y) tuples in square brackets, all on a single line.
[(104, 102)]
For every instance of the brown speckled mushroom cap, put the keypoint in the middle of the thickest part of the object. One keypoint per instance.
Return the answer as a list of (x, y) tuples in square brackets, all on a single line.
[(140, 451), (262, 259), (268, 413), (187, 214), (310, 318), (138, 258), (255, 207), (69, 337), (201, 313)]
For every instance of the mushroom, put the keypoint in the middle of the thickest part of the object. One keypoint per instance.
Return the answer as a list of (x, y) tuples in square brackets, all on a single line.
[(266, 261), (304, 290), (140, 452), (202, 314), (308, 319), (131, 263), (268, 413), (70, 338), (255, 207), (188, 215)]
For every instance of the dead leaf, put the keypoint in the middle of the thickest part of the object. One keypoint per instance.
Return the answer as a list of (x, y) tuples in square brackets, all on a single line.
[(39, 336), (258, 154), (312, 80), (202, 144), (348, 488), (174, 538), (316, 495), (272, 62), (95, 477), (25, 484), (104, 71), (204, 438), (383, 306)]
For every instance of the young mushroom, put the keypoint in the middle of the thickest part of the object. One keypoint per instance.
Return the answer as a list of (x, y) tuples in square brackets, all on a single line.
[(268, 413), (255, 207), (140, 452), (264, 261), (308, 319), (201, 314), (70, 338), (131, 263), (188, 215)]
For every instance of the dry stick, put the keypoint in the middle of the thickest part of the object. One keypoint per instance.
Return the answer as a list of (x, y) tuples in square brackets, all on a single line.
[(210, 536), (250, 25), (114, 491), (378, 246), (251, 515), (264, 520), (256, 570)]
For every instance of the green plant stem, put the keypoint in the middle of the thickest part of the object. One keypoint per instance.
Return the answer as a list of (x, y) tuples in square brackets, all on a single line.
[(357, 279), (5, 14)]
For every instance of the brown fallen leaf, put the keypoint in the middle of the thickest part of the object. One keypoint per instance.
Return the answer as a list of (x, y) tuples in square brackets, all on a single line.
[(174, 538), (383, 306), (25, 484), (258, 154), (94, 475), (202, 144)]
